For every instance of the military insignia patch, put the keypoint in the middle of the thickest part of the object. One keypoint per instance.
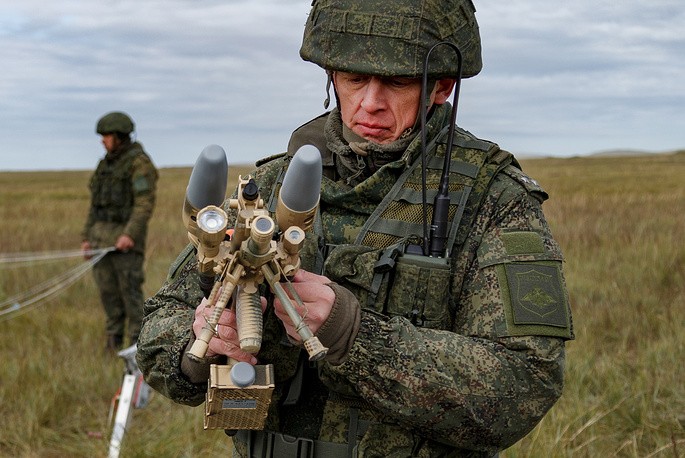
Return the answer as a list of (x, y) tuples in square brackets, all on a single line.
[(141, 184), (537, 301)]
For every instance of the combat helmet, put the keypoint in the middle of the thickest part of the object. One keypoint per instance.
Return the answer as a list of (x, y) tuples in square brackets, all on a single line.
[(114, 122), (392, 37)]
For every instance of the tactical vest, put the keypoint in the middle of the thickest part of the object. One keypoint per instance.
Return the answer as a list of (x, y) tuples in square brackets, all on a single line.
[(111, 190), (382, 268)]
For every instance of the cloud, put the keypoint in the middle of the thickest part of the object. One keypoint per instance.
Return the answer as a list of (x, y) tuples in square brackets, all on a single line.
[(567, 78), (582, 76), (182, 69)]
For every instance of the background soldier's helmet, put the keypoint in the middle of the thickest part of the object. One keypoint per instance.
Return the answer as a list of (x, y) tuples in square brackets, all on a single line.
[(392, 37), (114, 122)]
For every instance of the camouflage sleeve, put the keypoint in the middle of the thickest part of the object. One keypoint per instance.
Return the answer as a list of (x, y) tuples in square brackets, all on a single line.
[(144, 183), (167, 330), (489, 380)]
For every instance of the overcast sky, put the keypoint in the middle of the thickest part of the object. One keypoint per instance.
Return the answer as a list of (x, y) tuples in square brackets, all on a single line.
[(560, 78)]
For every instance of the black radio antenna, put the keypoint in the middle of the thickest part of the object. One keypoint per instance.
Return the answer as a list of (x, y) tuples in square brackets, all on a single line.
[(435, 238)]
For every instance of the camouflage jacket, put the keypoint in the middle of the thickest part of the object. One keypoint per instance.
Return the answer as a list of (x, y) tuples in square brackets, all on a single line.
[(123, 190), (472, 376)]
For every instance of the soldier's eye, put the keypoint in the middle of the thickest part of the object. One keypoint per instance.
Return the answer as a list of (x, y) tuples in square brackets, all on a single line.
[(353, 78), (400, 82), (358, 80)]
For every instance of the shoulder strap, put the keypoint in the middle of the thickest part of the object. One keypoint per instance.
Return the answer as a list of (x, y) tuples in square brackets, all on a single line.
[(471, 170), (495, 160), (131, 154), (312, 133)]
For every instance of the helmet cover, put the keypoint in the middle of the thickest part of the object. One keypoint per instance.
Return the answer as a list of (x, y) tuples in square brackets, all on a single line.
[(392, 37), (113, 122)]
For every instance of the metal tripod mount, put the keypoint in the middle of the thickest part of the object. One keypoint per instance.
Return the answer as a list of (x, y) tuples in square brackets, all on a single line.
[(134, 392)]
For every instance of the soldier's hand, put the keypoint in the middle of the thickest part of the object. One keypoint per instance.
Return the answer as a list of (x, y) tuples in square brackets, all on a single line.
[(225, 341), (317, 297), (124, 243), (86, 248)]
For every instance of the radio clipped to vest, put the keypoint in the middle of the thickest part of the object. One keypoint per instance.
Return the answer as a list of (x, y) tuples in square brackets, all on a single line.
[(234, 263), (395, 282)]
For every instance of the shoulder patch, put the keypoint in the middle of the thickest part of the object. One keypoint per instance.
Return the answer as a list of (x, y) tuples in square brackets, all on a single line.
[(141, 184), (531, 184), (522, 242), (535, 299)]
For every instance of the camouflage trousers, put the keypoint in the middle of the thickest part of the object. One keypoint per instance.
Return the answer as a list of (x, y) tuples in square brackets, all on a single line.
[(119, 277)]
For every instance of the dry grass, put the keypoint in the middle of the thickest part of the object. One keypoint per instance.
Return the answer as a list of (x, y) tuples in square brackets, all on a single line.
[(620, 221), (621, 224)]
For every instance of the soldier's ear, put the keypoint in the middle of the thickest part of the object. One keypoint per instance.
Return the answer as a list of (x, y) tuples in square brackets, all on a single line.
[(443, 89)]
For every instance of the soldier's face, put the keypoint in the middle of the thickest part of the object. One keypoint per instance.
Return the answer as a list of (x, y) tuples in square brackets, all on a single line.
[(110, 142), (380, 109)]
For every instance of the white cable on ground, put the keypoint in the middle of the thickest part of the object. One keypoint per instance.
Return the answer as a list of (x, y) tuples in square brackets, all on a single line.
[(10, 258), (23, 302)]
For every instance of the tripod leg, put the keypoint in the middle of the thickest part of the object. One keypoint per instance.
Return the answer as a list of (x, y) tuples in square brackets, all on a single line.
[(123, 415)]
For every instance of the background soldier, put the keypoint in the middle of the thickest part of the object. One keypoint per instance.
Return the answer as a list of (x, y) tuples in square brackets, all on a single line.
[(122, 200), (456, 355)]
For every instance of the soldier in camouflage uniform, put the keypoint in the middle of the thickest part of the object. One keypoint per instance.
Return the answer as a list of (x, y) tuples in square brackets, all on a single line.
[(122, 200), (455, 355)]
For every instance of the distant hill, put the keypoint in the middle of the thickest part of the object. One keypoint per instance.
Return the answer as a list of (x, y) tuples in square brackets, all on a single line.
[(605, 153), (632, 152)]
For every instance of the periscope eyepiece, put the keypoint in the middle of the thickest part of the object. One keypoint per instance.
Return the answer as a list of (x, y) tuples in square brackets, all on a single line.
[(206, 186)]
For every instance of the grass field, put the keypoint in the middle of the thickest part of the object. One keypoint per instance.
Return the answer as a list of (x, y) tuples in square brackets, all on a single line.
[(621, 224)]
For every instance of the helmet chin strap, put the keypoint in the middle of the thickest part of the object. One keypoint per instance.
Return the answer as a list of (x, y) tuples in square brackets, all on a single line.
[(427, 103), (329, 81)]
